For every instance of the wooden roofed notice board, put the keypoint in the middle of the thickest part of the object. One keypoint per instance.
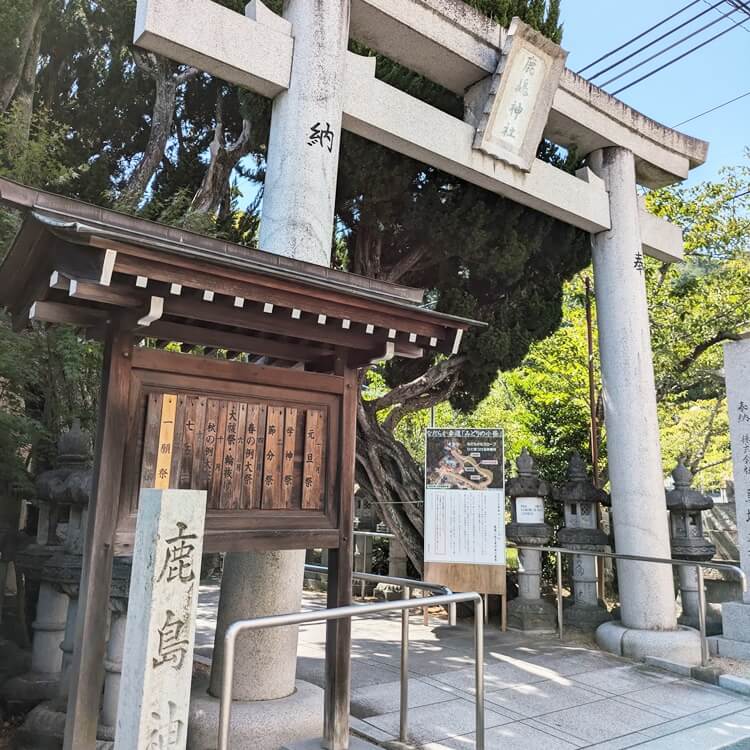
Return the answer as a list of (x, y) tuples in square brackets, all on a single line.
[(464, 527)]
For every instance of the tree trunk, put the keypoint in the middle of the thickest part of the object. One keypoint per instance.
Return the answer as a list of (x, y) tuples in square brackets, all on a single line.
[(210, 195), (23, 101), (390, 479), (26, 61), (166, 83)]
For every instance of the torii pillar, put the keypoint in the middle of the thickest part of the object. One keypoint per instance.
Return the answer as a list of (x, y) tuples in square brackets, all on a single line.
[(269, 708), (648, 625)]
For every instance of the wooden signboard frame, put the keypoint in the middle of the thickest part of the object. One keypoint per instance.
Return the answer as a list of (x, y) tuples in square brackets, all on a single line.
[(243, 517)]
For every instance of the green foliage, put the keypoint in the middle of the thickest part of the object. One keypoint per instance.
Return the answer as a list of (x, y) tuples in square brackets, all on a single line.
[(34, 156)]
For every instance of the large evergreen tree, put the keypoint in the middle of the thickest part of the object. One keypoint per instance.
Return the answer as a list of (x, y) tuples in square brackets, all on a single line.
[(145, 134)]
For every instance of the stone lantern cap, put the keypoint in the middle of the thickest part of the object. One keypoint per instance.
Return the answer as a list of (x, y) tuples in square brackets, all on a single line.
[(579, 488), (527, 483), (683, 496)]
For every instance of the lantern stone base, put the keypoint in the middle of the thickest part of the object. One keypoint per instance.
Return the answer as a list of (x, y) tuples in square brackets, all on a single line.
[(388, 591), (734, 642), (585, 616), (27, 690), (45, 726), (260, 725), (532, 615), (13, 659), (713, 619), (682, 645)]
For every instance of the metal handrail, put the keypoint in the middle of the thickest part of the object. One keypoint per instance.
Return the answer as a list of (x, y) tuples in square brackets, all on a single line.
[(699, 566), (359, 610), (394, 581), (378, 534)]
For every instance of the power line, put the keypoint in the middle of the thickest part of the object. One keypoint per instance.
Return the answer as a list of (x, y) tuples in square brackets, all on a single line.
[(636, 38), (713, 109), (742, 6), (641, 63), (659, 38), (679, 57)]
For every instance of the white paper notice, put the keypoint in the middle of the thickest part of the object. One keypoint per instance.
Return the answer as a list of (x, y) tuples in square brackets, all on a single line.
[(465, 526), (529, 510)]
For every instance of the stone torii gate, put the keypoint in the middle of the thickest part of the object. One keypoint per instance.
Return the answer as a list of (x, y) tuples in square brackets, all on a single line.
[(300, 60)]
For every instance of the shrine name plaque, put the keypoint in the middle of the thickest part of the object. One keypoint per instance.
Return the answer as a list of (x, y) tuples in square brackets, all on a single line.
[(262, 444)]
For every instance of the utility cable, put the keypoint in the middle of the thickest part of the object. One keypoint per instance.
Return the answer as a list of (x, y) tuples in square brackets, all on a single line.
[(676, 59), (713, 109), (664, 35), (636, 38), (740, 6)]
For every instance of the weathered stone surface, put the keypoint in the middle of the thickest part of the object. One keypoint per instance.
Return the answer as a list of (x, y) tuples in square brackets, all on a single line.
[(255, 585), (731, 649), (638, 503), (681, 645), (260, 725), (737, 369), (303, 146), (736, 621), (158, 643), (533, 615)]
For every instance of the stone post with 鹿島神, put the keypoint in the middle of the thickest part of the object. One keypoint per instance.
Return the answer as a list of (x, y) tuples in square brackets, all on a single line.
[(686, 506), (580, 499), (527, 528)]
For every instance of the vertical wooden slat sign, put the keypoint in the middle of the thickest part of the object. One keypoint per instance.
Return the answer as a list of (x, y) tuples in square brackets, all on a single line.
[(166, 438), (273, 459), (245, 455), (312, 476)]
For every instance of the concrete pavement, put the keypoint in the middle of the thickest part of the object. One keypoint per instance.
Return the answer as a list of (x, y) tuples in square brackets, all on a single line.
[(541, 694)]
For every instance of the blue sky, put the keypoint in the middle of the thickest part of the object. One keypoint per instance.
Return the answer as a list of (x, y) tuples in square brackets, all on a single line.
[(711, 75)]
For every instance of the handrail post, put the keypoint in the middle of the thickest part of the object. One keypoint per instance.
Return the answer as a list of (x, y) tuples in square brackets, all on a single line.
[(479, 669), (403, 733), (702, 614), (225, 702), (558, 557)]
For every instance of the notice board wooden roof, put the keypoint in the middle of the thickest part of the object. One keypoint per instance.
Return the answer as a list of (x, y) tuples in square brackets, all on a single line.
[(77, 263)]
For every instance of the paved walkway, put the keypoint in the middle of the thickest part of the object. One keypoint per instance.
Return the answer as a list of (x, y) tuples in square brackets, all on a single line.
[(540, 694)]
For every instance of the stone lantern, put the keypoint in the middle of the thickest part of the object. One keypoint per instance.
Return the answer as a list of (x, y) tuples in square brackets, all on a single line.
[(580, 498), (686, 507), (55, 490), (527, 527)]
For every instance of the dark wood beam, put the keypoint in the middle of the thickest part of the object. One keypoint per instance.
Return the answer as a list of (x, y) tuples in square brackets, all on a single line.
[(87, 669), (279, 292), (59, 312), (275, 323), (118, 295), (210, 337)]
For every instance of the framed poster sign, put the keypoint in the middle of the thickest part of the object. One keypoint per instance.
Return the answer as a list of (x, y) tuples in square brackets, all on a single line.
[(464, 497)]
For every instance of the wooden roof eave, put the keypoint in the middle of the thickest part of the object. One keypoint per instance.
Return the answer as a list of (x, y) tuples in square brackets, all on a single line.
[(69, 272)]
